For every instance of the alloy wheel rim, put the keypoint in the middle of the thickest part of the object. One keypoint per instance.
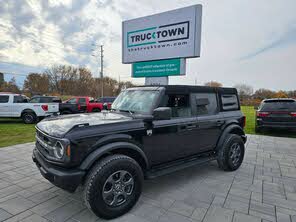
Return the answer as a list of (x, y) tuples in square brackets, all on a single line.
[(235, 154), (28, 118), (117, 188)]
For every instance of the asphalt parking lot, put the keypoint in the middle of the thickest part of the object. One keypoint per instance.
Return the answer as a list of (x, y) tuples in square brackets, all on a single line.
[(263, 189)]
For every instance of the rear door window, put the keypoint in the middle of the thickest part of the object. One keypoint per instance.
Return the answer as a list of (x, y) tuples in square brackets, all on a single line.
[(46, 99), (83, 100), (35, 100), (4, 99), (205, 103), (19, 99), (229, 102), (72, 101)]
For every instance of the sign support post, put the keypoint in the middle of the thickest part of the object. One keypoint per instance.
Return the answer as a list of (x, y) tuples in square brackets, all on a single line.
[(154, 81)]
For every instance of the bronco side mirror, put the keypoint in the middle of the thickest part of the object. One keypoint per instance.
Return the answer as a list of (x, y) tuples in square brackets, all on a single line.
[(162, 113), (105, 106)]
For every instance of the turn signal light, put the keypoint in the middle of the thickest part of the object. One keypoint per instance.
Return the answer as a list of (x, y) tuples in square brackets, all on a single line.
[(44, 107), (68, 151), (244, 121), (263, 114), (293, 114)]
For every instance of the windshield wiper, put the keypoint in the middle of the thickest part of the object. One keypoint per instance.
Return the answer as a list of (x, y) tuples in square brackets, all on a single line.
[(127, 111)]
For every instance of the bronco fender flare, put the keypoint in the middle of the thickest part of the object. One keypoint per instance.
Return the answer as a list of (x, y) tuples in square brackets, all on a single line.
[(231, 129), (125, 148)]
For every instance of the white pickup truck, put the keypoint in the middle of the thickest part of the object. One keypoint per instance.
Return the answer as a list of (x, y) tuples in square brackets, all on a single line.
[(17, 106)]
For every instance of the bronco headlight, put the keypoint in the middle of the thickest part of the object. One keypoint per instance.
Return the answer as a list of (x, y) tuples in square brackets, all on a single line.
[(59, 150)]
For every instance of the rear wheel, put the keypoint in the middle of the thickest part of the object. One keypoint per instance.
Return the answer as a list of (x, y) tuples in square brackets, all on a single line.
[(29, 117), (231, 154), (113, 186)]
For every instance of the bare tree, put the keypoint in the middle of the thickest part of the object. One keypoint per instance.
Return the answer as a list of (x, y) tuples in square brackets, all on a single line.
[(10, 86), (244, 91), (36, 83), (1, 79), (213, 84), (61, 77)]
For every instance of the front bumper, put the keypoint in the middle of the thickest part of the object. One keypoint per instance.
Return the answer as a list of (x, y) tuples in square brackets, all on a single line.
[(66, 179)]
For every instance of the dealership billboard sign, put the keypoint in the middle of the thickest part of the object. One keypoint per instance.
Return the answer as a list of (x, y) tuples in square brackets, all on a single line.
[(172, 34), (159, 68)]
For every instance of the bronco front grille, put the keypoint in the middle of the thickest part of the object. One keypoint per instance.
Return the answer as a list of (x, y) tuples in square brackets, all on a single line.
[(45, 143)]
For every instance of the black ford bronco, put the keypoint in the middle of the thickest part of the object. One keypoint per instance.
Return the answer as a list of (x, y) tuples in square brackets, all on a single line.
[(150, 131)]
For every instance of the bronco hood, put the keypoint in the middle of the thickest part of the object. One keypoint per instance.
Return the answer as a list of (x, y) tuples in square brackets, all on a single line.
[(59, 126)]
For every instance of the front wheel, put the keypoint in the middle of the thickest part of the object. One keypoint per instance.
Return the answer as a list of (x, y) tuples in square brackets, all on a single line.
[(231, 153), (29, 117), (113, 186)]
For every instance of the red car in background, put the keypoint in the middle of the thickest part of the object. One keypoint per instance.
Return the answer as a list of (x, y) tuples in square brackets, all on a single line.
[(86, 104)]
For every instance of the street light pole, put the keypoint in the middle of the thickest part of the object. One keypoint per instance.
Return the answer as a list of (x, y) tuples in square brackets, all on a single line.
[(102, 71)]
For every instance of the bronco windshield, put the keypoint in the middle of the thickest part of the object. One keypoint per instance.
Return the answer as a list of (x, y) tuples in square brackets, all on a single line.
[(136, 101)]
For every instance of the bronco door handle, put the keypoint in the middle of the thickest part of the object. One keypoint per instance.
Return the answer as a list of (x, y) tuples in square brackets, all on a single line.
[(191, 126)]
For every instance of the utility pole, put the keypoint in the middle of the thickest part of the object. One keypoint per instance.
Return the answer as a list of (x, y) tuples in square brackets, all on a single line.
[(102, 71)]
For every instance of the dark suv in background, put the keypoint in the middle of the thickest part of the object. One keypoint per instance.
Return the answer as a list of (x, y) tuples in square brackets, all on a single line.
[(107, 101), (276, 113), (149, 132)]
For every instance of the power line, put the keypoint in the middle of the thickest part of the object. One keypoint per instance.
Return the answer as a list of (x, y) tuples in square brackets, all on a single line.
[(13, 73)]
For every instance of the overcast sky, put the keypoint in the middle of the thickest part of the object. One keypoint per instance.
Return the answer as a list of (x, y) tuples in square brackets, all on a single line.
[(245, 41)]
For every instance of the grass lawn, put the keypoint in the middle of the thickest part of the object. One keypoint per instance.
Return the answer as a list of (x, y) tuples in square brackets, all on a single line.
[(14, 131), (249, 112)]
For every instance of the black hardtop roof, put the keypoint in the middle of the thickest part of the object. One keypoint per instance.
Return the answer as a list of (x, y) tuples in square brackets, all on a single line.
[(190, 89)]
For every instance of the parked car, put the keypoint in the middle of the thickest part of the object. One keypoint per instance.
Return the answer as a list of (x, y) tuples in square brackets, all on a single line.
[(106, 101), (16, 105), (86, 103), (276, 113), (150, 131), (64, 108)]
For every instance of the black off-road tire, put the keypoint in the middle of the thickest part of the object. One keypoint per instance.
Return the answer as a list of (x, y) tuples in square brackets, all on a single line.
[(29, 117), (95, 181), (224, 159)]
